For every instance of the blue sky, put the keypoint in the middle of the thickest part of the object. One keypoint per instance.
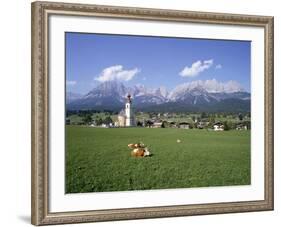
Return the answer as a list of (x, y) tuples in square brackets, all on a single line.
[(153, 61)]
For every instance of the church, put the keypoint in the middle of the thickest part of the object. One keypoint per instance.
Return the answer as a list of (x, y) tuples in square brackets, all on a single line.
[(126, 117)]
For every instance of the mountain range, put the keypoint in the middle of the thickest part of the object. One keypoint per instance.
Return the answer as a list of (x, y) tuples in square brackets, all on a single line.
[(208, 95)]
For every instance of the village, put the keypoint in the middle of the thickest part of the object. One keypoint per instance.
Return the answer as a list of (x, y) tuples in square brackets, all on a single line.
[(128, 117)]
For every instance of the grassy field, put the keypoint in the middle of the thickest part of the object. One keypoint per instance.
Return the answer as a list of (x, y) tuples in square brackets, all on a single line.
[(98, 159)]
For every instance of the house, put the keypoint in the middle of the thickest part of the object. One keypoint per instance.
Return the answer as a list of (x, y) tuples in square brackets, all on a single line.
[(172, 124), (201, 125), (93, 124), (241, 127), (165, 124), (184, 125), (157, 125), (166, 115), (218, 126), (148, 123)]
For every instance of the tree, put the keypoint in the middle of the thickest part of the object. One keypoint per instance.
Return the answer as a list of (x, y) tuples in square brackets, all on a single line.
[(230, 125), (226, 126), (211, 120), (165, 124), (87, 118), (99, 121), (204, 115), (191, 125), (139, 124), (248, 124), (240, 116), (148, 123), (107, 120)]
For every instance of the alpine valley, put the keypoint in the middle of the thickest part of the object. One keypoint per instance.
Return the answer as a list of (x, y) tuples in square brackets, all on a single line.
[(208, 96)]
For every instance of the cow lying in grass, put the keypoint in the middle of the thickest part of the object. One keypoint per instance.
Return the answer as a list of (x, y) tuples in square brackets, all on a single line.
[(139, 150)]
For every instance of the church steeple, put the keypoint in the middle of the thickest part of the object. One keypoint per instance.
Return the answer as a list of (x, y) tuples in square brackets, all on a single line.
[(129, 114), (129, 100)]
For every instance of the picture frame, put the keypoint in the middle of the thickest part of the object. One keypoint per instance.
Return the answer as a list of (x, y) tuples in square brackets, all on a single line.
[(41, 68)]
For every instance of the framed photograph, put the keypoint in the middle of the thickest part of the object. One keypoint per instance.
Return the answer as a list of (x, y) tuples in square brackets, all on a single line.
[(149, 113)]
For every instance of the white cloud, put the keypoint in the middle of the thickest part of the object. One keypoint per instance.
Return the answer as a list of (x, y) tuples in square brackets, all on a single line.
[(71, 82), (196, 68), (117, 72), (219, 66)]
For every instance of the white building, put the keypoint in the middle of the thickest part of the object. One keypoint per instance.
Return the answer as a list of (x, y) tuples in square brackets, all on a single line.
[(241, 127), (126, 118), (184, 125), (218, 127)]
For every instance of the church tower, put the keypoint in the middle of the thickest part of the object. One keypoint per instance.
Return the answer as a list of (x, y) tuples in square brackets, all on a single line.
[(130, 119)]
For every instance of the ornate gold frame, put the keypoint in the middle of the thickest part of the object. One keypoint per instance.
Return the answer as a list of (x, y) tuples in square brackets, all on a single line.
[(40, 14)]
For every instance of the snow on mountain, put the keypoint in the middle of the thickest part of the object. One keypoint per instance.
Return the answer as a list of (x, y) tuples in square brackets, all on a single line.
[(139, 90), (209, 86), (233, 86), (161, 91), (198, 87), (145, 96), (108, 89), (196, 93)]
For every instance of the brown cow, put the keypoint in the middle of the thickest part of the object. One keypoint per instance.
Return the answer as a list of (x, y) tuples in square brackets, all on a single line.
[(140, 152)]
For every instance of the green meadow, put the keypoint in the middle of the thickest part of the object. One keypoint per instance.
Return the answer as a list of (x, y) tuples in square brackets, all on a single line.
[(98, 159)]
